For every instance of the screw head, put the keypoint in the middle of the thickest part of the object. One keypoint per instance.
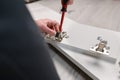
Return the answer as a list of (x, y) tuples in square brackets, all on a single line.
[(108, 48), (119, 63), (99, 38)]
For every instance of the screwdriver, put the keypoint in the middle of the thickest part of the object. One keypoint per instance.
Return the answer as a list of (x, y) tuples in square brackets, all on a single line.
[(64, 9), (58, 35)]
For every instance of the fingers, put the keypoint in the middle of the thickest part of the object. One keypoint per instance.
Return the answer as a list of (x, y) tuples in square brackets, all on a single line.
[(56, 26), (49, 31), (70, 2), (48, 26), (53, 25)]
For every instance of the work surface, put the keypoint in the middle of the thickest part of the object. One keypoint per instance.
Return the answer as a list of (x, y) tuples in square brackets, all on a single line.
[(82, 37)]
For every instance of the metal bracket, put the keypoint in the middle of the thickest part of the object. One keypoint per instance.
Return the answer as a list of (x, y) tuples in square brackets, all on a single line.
[(58, 37), (101, 47)]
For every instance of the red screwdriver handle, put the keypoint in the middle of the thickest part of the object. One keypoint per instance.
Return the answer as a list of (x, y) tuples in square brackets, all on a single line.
[(64, 9), (64, 5)]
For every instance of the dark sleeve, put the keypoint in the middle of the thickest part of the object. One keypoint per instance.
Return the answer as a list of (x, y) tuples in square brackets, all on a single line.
[(23, 52)]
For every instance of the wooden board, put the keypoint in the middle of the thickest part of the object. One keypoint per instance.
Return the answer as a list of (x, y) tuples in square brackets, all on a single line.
[(82, 37)]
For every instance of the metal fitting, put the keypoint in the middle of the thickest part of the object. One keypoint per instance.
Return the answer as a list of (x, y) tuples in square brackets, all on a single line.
[(58, 37), (101, 47)]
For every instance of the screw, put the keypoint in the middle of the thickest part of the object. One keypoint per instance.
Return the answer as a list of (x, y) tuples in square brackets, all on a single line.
[(107, 51), (99, 38), (119, 63), (108, 48), (92, 47)]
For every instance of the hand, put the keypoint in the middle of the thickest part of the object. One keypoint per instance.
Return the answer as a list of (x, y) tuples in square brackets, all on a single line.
[(48, 26), (70, 2)]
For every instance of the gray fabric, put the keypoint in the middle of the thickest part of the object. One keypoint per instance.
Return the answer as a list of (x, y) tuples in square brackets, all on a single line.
[(23, 52)]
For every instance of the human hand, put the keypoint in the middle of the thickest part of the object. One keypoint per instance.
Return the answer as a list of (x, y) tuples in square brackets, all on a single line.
[(48, 26), (70, 2)]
